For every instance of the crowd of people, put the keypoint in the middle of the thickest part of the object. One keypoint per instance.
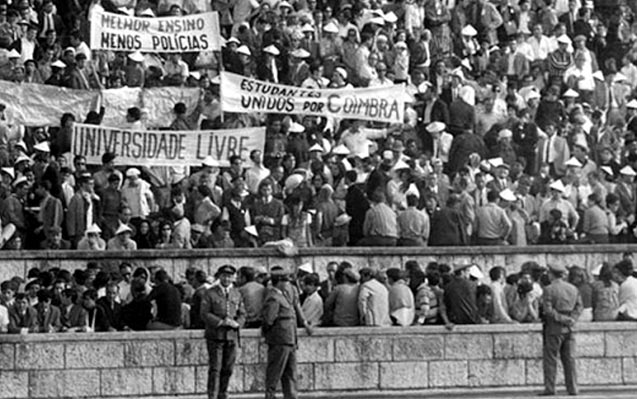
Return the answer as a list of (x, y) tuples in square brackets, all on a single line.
[(520, 128), (94, 300)]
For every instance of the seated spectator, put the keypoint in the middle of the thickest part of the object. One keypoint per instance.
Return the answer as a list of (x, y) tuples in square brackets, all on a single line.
[(484, 299), (55, 240), (84, 315), (111, 310), (165, 240), (137, 314), (605, 296), (312, 305), (578, 277), (23, 319), (380, 227), (460, 299), (341, 306), (524, 307), (373, 300), (49, 316), (623, 275), (92, 240), (122, 240), (401, 300), (500, 305), (168, 302)]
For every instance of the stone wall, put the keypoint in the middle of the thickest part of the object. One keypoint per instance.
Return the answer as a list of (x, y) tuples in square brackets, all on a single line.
[(177, 261), (340, 359)]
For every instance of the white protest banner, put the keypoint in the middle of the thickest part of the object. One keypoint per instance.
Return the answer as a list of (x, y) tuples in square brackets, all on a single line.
[(32, 104), (197, 32), (164, 147), (241, 94), (157, 103)]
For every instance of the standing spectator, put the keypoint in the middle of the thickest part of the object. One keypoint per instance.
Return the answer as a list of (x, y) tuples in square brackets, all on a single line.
[(373, 300), (253, 294), (562, 306), (267, 213), (493, 225), (137, 195), (448, 225), (83, 209), (413, 225), (223, 313), (380, 227), (280, 317)]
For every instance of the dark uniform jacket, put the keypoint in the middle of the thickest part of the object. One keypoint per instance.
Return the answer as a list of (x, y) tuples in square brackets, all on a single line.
[(216, 306), (562, 306), (279, 318)]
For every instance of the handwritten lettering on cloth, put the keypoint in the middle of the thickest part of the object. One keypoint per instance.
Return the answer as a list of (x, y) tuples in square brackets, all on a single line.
[(197, 32), (243, 95), (165, 147)]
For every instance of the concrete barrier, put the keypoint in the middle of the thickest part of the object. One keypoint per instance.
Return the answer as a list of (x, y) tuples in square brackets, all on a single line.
[(165, 364), (176, 262)]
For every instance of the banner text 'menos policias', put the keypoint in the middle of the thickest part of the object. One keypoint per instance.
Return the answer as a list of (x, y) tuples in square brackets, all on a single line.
[(164, 147), (241, 94), (198, 32)]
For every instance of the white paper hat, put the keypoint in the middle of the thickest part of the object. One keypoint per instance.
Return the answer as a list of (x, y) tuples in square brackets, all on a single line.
[(570, 93), (123, 228), (607, 169), (10, 171), (469, 30), (507, 195), (42, 147), (330, 28), (210, 162), (558, 185), (564, 39), (632, 104), (271, 49), (627, 171), (436, 127), (341, 149), (252, 230), (93, 229), (599, 75), (244, 50), (573, 162), (300, 53), (296, 128), (306, 267), (58, 64), (136, 56)]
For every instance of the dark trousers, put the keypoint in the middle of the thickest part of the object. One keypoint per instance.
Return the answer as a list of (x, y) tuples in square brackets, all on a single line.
[(564, 345), (281, 367), (221, 357)]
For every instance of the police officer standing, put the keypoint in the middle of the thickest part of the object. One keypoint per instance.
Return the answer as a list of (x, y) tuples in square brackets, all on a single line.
[(562, 306), (280, 314), (223, 313)]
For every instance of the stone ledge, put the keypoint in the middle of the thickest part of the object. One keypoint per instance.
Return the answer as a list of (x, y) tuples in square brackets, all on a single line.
[(601, 327), (328, 251)]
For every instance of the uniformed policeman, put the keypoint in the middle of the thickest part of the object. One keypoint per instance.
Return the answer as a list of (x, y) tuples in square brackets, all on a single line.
[(280, 314), (223, 313), (562, 306)]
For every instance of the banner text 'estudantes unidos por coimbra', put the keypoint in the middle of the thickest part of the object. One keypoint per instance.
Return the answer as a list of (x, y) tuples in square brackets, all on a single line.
[(243, 95)]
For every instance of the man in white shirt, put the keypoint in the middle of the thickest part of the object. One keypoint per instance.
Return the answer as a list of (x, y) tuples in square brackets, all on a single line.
[(540, 45), (623, 274), (257, 172)]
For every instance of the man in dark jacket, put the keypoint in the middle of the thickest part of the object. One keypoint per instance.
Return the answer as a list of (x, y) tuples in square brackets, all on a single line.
[(448, 225), (460, 298), (280, 313), (356, 206), (111, 319), (223, 313), (168, 300)]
